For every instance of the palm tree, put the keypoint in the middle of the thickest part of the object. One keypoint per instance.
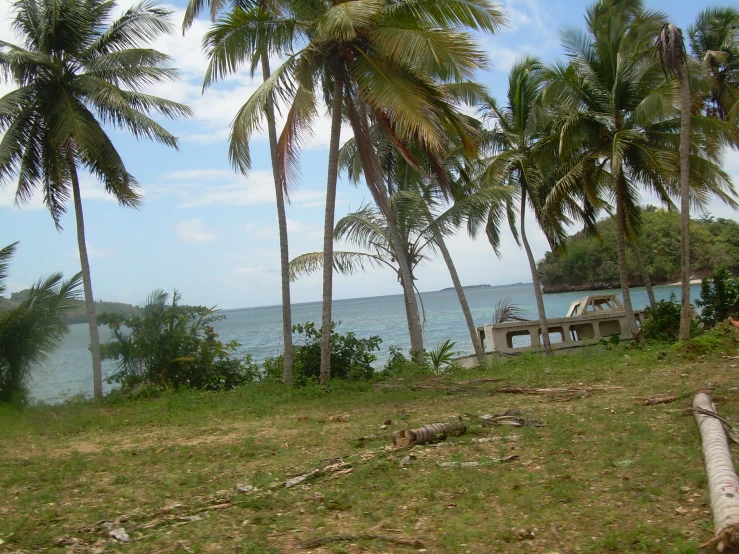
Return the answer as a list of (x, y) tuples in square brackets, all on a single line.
[(76, 72), (368, 230), (371, 61), (239, 38), (714, 41), (414, 181), (671, 48), (518, 142), (30, 332), (604, 103)]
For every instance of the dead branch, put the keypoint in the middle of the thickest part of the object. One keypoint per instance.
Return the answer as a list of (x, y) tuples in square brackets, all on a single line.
[(662, 399), (556, 390), (506, 418), (320, 541)]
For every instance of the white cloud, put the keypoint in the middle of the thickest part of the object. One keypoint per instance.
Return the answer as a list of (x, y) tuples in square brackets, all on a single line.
[(194, 231), (210, 187)]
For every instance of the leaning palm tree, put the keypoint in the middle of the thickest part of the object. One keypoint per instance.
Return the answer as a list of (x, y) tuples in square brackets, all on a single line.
[(671, 48), (30, 332), (239, 38), (408, 174), (76, 72), (378, 61)]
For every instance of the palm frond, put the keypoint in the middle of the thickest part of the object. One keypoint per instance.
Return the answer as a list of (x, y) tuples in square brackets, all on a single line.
[(345, 263), (506, 310)]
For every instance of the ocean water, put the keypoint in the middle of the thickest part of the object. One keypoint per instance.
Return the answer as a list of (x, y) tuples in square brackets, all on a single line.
[(259, 330)]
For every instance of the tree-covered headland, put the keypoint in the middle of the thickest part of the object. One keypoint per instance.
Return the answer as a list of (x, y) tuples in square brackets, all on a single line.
[(589, 262)]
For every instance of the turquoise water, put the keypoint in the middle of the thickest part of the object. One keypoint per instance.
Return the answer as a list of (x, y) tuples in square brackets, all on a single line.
[(259, 330)]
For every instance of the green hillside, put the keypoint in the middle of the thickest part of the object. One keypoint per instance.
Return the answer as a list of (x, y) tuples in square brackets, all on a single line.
[(591, 263)]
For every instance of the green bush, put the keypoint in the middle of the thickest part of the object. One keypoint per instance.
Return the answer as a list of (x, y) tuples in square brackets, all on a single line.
[(702, 344), (351, 357), (719, 297), (173, 346), (663, 321)]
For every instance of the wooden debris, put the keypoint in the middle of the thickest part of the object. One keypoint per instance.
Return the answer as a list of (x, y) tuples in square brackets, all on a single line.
[(337, 467), (509, 418), (427, 433), (661, 399), (320, 541), (563, 393)]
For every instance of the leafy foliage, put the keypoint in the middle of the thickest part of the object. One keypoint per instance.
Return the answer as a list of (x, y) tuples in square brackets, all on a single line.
[(33, 329), (663, 322), (172, 346), (719, 297), (351, 357), (591, 261), (77, 72), (441, 356)]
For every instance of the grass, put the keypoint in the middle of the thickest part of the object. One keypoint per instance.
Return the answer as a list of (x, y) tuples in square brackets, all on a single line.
[(603, 475)]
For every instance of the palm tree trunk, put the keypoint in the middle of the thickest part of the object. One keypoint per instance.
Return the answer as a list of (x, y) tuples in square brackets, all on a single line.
[(535, 278), (476, 344), (685, 205), (623, 272), (644, 274), (406, 280), (97, 372), (328, 229), (722, 479), (287, 326)]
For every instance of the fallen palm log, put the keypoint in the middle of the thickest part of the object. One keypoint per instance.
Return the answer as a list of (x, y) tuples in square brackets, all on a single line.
[(320, 541), (427, 433), (723, 483)]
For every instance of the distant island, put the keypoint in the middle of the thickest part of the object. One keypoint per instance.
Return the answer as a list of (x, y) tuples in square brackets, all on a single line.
[(78, 314), (590, 263), (485, 286)]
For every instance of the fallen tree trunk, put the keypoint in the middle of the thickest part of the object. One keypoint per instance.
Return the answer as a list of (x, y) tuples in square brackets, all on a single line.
[(723, 483), (427, 433)]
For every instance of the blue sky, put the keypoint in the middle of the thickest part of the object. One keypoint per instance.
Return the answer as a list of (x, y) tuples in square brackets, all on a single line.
[(212, 234)]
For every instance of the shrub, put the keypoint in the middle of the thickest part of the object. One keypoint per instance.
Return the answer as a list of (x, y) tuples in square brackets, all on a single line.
[(719, 297), (663, 321), (440, 357), (351, 357), (31, 331), (173, 346)]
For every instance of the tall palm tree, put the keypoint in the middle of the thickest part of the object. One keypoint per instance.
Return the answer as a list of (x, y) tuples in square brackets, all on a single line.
[(30, 332), (671, 48), (518, 142), (240, 37), (381, 61), (76, 72), (714, 41), (604, 103)]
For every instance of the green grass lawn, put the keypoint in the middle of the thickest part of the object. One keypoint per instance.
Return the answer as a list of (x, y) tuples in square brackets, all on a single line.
[(603, 475)]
